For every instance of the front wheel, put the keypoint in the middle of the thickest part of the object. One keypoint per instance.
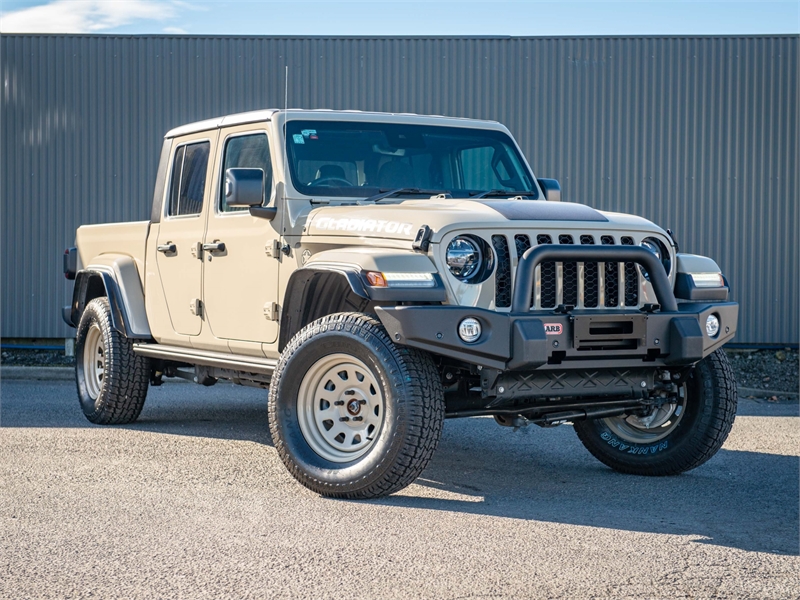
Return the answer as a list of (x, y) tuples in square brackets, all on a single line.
[(353, 415), (674, 437)]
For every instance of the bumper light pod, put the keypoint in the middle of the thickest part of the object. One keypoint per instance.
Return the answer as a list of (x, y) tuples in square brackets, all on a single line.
[(469, 330), (712, 326)]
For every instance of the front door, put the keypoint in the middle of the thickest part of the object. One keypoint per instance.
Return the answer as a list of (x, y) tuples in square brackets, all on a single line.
[(180, 234), (240, 280)]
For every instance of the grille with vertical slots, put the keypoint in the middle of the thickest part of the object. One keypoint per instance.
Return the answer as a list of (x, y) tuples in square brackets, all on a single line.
[(547, 278), (502, 277), (583, 285), (631, 277), (591, 291), (611, 272)]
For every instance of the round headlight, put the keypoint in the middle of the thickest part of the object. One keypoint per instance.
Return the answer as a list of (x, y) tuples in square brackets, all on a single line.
[(712, 326), (464, 257), (469, 330), (658, 248), (653, 247)]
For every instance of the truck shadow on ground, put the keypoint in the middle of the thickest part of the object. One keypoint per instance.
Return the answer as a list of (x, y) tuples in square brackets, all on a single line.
[(739, 499)]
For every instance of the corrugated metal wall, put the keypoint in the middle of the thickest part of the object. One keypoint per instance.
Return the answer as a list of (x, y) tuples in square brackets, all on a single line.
[(699, 134)]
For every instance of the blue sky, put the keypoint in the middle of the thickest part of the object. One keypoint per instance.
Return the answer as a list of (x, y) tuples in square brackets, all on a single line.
[(390, 17)]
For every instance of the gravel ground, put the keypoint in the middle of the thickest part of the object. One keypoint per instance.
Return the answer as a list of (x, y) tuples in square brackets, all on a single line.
[(36, 358), (766, 369), (774, 370), (192, 501)]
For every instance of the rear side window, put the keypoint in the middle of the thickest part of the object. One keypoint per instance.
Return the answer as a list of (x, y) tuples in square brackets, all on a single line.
[(188, 183), (246, 152)]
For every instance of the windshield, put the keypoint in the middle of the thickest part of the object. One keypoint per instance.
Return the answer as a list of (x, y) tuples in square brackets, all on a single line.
[(346, 158)]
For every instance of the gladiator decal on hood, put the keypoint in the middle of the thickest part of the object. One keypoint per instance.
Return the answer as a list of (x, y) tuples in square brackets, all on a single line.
[(362, 225)]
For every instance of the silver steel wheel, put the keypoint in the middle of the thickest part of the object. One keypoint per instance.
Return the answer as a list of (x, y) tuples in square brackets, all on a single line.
[(340, 408), (651, 428), (94, 361)]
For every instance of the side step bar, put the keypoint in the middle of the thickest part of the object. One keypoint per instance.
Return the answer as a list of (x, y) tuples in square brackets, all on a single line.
[(235, 362)]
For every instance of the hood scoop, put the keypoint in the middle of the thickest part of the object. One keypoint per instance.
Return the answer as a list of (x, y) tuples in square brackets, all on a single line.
[(540, 210)]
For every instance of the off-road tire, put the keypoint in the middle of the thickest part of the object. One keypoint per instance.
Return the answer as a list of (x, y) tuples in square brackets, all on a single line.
[(709, 413), (121, 390), (412, 397)]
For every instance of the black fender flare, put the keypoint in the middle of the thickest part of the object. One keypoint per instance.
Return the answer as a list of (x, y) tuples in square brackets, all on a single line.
[(299, 295), (92, 283), (354, 293)]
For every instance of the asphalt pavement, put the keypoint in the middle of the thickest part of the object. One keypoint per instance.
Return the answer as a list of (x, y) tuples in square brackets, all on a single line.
[(193, 502)]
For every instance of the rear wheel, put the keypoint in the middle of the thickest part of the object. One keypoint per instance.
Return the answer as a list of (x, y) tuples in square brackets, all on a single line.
[(675, 437), (112, 380), (353, 415)]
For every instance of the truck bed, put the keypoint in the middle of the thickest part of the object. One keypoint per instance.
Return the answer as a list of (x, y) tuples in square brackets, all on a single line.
[(113, 238)]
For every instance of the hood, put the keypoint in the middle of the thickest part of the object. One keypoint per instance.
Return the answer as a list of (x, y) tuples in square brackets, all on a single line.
[(402, 220)]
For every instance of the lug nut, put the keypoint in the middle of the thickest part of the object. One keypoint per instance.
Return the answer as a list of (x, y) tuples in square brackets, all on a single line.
[(342, 419), (358, 418), (339, 403)]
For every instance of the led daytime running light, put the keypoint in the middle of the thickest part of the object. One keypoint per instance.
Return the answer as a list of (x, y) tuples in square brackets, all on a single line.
[(400, 280), (708, 280)]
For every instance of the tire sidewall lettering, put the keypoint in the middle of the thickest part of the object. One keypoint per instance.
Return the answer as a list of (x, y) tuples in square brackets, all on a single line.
[(631, 448)]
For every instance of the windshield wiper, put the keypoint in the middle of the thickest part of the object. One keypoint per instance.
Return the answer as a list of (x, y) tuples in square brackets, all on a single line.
[(488, 193), (406, 190)]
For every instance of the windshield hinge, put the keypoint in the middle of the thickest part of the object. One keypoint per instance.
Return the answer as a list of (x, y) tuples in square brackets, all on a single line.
[(422, 242)]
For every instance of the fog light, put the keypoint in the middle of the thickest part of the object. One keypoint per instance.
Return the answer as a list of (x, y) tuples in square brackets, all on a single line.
[(469, 330), (712, 326)]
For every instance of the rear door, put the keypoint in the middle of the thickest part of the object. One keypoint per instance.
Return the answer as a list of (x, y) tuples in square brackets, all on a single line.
[(240, 282), (179, 257)]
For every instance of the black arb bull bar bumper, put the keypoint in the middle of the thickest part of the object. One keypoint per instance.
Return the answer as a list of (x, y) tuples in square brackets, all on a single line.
[(670, 334)]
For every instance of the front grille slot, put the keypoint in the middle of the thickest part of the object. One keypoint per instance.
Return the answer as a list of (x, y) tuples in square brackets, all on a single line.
[(547, 277), (611, 272), (502, 277), (631, 277), (590, 277), (583, 285)]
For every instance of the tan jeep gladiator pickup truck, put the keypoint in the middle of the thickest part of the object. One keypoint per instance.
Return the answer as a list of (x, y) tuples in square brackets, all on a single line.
[(380, 273)]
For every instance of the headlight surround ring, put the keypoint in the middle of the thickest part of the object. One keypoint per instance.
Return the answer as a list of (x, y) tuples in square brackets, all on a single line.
[(660, 250), (469, 258)]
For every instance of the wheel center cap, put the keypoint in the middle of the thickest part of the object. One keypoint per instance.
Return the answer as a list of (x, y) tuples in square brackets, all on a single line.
[(354, 407)]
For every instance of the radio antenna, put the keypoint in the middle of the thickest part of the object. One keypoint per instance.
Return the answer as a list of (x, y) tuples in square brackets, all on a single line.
[(286, 141)]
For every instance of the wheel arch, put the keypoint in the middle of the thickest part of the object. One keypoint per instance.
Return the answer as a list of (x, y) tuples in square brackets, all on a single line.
[(335, 281), (116, 278), (317, 291)]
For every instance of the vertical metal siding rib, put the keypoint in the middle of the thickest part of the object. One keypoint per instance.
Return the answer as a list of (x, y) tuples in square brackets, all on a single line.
[(696, 133)]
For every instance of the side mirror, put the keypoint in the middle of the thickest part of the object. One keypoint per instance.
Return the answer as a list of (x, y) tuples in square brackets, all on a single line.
[(551, 189), (245, 187)]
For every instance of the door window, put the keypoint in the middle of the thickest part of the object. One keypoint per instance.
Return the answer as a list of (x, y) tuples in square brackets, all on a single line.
[(246, 152), (188, 182)]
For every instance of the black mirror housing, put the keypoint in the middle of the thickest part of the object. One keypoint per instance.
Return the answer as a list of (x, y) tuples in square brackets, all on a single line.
[(244, 187), (551, 189)]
